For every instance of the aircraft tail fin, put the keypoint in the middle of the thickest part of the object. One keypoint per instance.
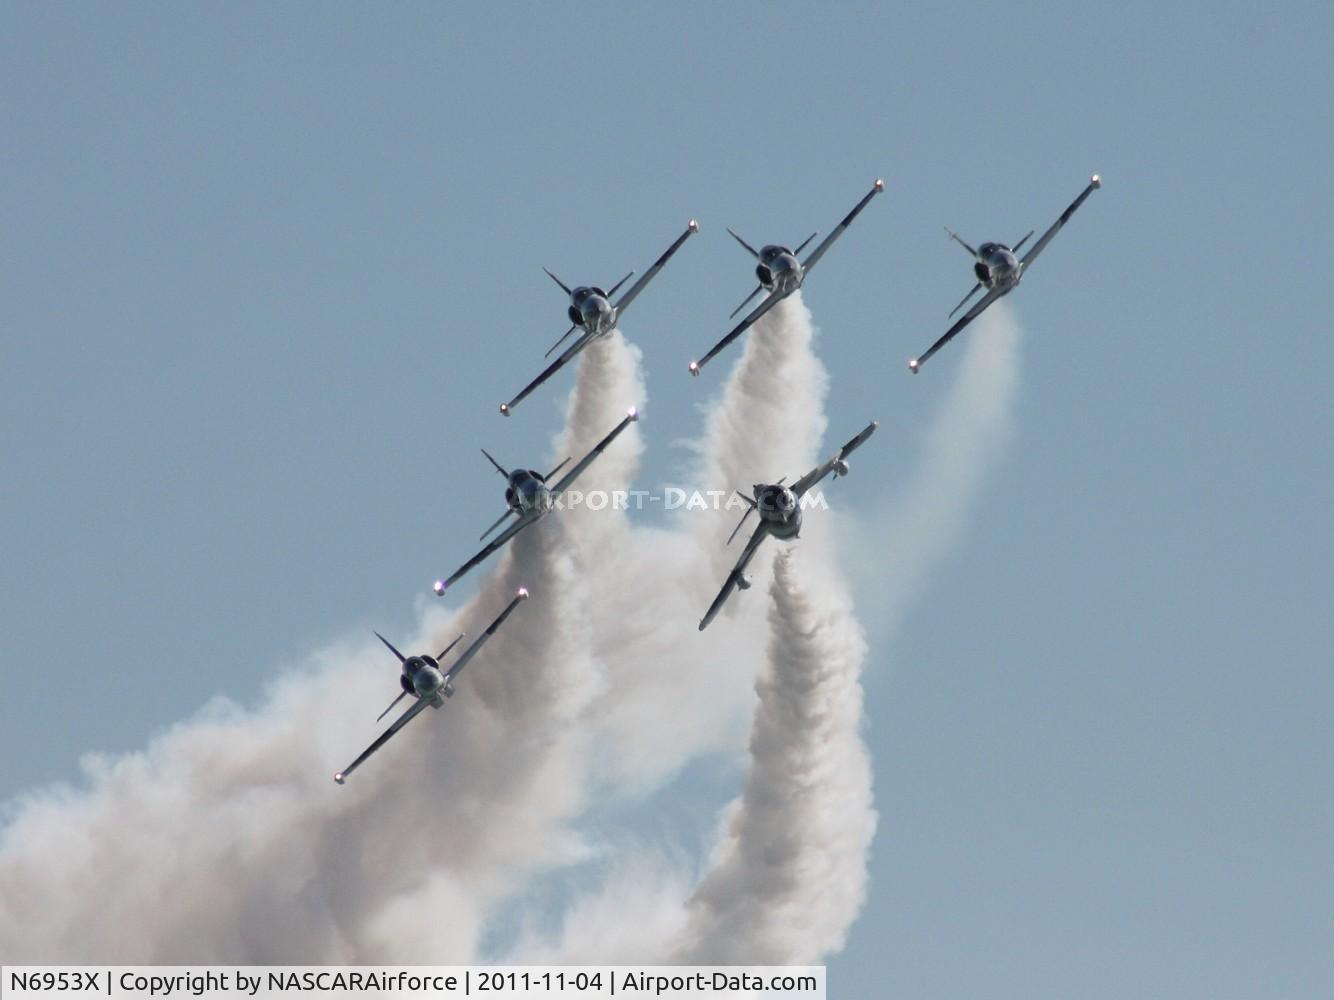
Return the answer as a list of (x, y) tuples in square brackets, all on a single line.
[(751, 507), (499, 468), (956, 238), (391, 706), (446, 650), (563, 287), (970, 294), (746, 301), (558, 468), (807, 240), (401, 657), (616, 287), (557, 344), (499, 521), (749, 249), (1015, 248)]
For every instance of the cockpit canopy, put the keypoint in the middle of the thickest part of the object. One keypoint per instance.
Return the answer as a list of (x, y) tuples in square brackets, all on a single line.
[(584, 292), (772, 252)]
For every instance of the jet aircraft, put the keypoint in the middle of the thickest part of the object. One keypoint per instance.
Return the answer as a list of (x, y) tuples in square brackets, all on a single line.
[(779, 507), (591, 310), (422, 678), (780, 274), (999, 270), (529, 498)]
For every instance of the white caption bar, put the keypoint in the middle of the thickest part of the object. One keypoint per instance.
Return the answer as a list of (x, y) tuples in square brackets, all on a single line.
[(414, 982)]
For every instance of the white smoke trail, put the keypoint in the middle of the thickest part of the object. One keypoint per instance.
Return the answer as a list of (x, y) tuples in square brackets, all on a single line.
[(226, 841), (770, 418), (608, 382), (967, 436), (790, 875), (766, 423)]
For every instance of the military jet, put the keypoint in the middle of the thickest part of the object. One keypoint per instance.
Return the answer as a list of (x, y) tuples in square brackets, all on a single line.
[(999, 270), (780, 515), (591, 311), (529, 498), (423, 679), (780, 274)]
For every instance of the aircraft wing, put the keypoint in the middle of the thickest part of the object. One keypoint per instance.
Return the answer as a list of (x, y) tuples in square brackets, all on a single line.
[(803, 485), (978, 308), (737, 331), (648, 275), (524, 520), (730, 584), (580, 343), (837, 231), (568, 479), (1095, 182), (477, 643), (383, 738)]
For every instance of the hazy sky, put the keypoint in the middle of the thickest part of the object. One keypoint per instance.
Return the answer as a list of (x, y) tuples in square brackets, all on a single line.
[(267, 273)]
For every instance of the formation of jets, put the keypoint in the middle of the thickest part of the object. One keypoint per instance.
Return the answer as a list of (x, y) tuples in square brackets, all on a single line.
[(529, 496)]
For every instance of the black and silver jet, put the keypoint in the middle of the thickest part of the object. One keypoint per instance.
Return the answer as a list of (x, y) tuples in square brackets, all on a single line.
[(422, 678), (529, 498), (780, 274), (780, 515), (591, 311), (999, 270)]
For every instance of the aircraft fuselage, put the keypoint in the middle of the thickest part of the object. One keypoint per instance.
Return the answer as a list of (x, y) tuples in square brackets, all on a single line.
[(997, 267), (527, 491), (779, 509), (422, 677), (591, 310), (779, 270)]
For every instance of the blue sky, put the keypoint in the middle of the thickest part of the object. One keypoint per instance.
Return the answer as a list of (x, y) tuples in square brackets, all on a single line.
[(268, 271)]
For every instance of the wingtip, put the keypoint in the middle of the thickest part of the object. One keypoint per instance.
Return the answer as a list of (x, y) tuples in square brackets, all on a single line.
[(505, 409), (914, 365), (880, 184), (439, 588), (632, 413), (694, 367), (693, 226), (1096, 181), (522, 594), (340, 778)]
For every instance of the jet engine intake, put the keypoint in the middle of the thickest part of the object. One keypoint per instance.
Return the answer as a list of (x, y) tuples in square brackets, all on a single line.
[(576, 317), (983, 273), (765, 275), (841, 468), (406, 684)]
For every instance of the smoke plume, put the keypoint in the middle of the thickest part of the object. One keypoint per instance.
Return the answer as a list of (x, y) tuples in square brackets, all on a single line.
[(226, 841)]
